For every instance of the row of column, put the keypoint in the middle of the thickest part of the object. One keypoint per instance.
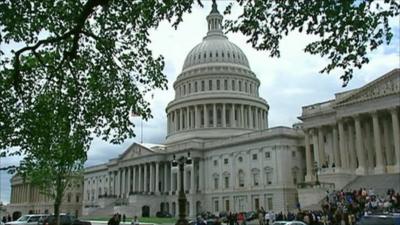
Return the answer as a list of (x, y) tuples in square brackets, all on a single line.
[(217, 115), (361, 142), (154, 178), (20, 193)]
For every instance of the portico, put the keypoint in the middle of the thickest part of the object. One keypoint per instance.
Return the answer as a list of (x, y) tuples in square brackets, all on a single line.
[(357, 132)]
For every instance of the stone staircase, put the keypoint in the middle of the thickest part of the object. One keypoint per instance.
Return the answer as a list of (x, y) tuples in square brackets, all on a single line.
[(105, 211), (378, 183)]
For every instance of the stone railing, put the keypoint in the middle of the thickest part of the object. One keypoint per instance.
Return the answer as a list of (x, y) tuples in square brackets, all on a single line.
[(315, 184), (311, 109)]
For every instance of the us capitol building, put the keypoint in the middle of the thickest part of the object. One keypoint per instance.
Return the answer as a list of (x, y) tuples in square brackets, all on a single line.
[(217, 115), (239, 163)]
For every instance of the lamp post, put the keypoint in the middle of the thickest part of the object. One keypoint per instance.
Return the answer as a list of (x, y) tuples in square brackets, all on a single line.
[(180, 163)]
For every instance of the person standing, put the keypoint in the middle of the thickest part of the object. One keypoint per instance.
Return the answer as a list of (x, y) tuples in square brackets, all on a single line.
[(123, 218), (135, 221), (113, 220)]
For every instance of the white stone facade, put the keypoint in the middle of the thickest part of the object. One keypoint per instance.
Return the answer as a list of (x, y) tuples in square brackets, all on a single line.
[(239, 164), (357, 132), (27, 199)]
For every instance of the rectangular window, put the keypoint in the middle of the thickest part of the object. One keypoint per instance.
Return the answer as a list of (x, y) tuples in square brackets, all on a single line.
[(225, 84), (216, 183), (210, 85), (190, 88), (270, 205), (218, 85), (184, 89), (215, 162), (254, 156), (226, 182), (202, 85), (267, 155), (233, 85), (240, 85), (216, 206), (195, 86), (226, 161)]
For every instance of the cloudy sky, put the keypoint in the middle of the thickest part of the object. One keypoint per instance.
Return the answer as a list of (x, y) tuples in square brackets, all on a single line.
[(287, 83)]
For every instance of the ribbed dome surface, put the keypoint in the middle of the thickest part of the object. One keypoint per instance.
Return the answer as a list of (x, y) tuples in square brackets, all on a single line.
[(215, 49)]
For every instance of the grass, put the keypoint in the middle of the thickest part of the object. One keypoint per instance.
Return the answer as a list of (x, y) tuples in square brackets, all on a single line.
[(128, 220)]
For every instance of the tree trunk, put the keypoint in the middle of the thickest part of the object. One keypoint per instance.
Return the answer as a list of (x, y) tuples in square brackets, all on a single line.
[(58, 198)]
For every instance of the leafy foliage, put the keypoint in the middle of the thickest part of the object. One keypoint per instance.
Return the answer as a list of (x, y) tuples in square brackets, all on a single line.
[(85, 65), (346, 30), (83, 68)]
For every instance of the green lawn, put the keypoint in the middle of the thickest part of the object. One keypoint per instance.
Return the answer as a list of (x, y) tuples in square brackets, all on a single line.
[(129, 219)]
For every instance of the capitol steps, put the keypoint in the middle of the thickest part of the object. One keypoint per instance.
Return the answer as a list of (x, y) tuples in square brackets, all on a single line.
[(378, 183)]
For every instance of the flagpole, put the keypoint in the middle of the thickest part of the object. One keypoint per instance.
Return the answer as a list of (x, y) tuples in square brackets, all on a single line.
[(141, 130)]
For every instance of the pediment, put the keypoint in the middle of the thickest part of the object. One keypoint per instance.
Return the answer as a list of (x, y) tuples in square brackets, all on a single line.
[(388, 84), (135, 150)]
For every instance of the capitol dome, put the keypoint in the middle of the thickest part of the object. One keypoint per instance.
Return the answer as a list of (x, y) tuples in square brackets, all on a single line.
[(216, 94), (215, 49)]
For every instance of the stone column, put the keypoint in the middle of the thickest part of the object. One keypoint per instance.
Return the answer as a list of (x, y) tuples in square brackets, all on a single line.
[(180, 119), (223, 115), (145, 178), (256, 118), (309, 168), (178, 180), (118, 183), (151, 177), (352, 149), (205, 116), (214, 115), (359, 146), (140, 180), (123, 181), (251, 124), (314, 134), (386, 135), (165, 186), (321, 146), (242, 124), (196, 117), (134, 179), (335, 146), (342, 145), (396, 136), (378, 144), (233, 121), (157, 189), (192, 180), (201, 175), (176, 127), (172, 180), (187, 118)]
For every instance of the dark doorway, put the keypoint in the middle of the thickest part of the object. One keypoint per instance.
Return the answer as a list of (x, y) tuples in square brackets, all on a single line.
[(145, 211)]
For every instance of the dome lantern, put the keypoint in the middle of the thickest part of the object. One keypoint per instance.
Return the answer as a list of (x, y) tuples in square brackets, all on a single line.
[(214, 20)]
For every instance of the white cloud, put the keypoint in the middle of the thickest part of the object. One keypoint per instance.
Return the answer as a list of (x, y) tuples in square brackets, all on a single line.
[(287, 83)]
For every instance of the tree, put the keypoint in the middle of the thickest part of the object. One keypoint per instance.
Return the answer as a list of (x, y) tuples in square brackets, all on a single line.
[(84, 66), (347, 30)]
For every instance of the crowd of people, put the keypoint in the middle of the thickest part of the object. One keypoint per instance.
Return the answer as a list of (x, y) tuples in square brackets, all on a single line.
[(6, 219), (341, 208)]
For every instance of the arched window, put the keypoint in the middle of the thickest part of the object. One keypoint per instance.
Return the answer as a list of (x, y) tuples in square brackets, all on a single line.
[(241, 178)]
